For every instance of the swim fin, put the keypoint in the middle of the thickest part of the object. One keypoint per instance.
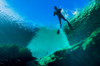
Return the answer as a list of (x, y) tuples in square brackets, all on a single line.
[(58, 31), (71, 28)]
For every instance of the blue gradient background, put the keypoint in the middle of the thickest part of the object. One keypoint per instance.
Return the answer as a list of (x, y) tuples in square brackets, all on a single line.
[(41, 11)]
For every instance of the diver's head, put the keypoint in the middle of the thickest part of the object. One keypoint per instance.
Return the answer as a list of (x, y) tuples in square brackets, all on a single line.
[(55, 7)]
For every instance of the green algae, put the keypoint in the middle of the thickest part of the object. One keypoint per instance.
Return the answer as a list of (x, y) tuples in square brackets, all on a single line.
[(90, 39)]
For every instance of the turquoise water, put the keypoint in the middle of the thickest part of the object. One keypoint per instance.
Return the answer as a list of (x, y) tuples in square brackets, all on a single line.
[(44, 43), (46, 40)]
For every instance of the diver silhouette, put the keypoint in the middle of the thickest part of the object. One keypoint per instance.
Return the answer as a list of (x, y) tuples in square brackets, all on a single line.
[(60, 16)]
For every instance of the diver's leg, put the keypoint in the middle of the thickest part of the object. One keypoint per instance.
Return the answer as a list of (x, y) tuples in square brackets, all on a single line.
[(60, 25), (68, 23), (60, 22)]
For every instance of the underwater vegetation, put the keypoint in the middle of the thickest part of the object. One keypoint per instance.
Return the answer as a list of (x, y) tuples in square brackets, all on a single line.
[(12, 55)]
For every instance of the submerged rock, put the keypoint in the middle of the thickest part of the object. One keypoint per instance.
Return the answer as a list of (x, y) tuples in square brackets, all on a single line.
[(84, 40), (86, 53)]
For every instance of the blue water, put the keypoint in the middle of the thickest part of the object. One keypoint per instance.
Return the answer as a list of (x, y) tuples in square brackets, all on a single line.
[(47, 41), (40, 12)]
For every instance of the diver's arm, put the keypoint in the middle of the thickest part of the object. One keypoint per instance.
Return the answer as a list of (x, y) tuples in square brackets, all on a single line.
[(60, 9)]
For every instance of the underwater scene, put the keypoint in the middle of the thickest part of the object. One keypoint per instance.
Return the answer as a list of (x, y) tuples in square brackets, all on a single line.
[(49, 32)]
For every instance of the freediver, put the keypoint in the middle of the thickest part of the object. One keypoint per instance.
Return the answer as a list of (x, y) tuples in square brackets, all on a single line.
[(60, 16)]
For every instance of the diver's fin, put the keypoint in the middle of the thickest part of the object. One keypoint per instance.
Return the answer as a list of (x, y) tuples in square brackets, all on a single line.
[(71, 28), (58, 31)]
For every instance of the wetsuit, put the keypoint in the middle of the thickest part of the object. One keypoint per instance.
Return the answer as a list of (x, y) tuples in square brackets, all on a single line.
[(58, 13)]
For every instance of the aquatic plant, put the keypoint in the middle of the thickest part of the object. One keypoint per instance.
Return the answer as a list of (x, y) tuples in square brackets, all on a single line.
[(12, 55)]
